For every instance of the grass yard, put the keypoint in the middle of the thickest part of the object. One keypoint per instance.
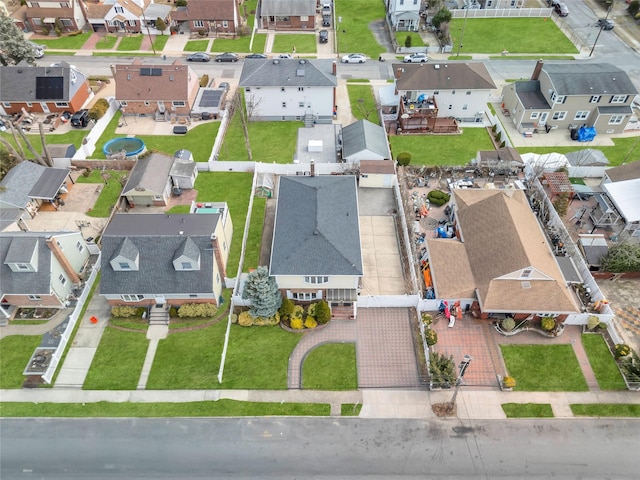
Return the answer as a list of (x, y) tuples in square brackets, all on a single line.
[(354, 33), (544, 368), (75, 137), (303, 43), (257, 358), (602, 363), (331, 367), (110, 192), (196, 46), (350, 409), (118, 361), (624, 150), (131, 43), (527, 410), (221, 408), (107, 42), (606, 410), (159, 42), (68, 42), (516, 35), (363, 103), (240, 44), (254, 239), (416, 39), (442, 150), (15, 352)]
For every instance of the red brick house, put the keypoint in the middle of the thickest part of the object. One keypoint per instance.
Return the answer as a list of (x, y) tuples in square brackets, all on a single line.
[(288, 14), (211, 17), (41, 17)]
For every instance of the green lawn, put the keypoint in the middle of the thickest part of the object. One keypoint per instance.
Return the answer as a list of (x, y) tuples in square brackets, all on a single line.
[(240, 44), (516, 35), (624, 150), (442, 150), (606, 410), (254, 239), (75, 137), (303, 43), (354, 33), (602, 363), (221, 408), (196, 46), (544, 368), (350, 409), (527, 410), (331, 367), (74, 42), (128, 44), (160, 41), (15, 352), (363, 103), (416, 39), (107, 42), (257, 358), (110, 191), (118, 361)]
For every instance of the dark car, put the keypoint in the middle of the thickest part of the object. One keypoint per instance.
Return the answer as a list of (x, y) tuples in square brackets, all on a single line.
[(326, 20), (80, 119), (323, 36), (198, 57), (561, 9), (256, 55), (224, 85), (227, 57), (605, 23)]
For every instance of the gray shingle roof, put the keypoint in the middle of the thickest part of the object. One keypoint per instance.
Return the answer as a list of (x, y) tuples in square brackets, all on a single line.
[(18, 82), (288, 7), (287, 73), (529, 94), (49, 183), (18, 182), (589, 79), (157, 239), (364, 135), (316, 230), (149, 173)]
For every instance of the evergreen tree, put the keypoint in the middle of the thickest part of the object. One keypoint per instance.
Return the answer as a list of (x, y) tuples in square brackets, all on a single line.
[(14, 48), (263, 292)]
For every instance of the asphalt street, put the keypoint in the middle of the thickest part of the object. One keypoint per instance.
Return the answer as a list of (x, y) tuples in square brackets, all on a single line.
[(306, 448)]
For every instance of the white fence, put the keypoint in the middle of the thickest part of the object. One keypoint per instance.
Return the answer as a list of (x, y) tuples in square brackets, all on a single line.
[(280, 168), (224, 123), (89, 142), (494, 120), (587, 172), (502, 13), (388, 301), (73, 319), (410, 254)]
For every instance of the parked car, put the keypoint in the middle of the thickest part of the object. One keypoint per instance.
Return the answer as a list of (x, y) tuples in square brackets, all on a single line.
[(256, 55), (80, 119), (323, 36), (326, 8), (354, 58), (198, 57), (224, 85), (38, 50), (415, 58), (605, 23), (285, 56), (561, 9), (326, 20), (227, 57)]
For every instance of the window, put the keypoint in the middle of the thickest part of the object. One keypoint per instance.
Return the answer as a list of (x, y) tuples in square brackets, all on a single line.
[(66, 22), (123, 103), (559, 115), (6, 104), (534, 115), (29, 104), (616, 119), (22, 266), (555, 98), (62, 104), (132, 23), (415, 2), (594, 99), (436, 92), (301, 89), (62, 279), (35, 298), (468, 92), (36, 21), (178, 104), (118, 9), (124, 265), (304, 295), (581, 115), (132, 298), (465, 107), (79, 246), (526, 273), (618, 99), (301, 104), (247, 89), (453, 92), (401, 2), (64, 5), (198, 23), (282, 89), (315, 280), (186, 265), (225, 24), (284, 104)]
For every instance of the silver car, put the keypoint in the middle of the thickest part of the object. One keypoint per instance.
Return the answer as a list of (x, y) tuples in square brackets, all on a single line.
[(415, 58), (354, 58)]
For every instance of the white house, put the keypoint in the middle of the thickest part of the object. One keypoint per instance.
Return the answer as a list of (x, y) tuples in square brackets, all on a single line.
[(289, 89), (403, 15)]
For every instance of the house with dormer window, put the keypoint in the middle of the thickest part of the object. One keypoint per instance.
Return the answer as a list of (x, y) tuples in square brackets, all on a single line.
[(46, 16), (565, 96), (208, 17), (158, 259), (403, 15)]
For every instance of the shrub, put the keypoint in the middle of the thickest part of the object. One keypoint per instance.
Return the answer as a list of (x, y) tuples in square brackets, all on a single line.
[(431, 337), (427, 319), (408, 41), (494, 128), (442, 369), (298, 312), (204, 81), (310, 322), (86, 172), (508, 324), (508, 382), (404, 159), (323, 312), (194, 310), (245, 320), (311, 309), (202, 33), (503, 144), (593, 322), (548, 323), (297, 323), (99, 109), (622, 350), (633, 8), (602, 326), (266, 321), (173, 312), (437, 197), (286, 309), (443, 16), (181, 3), (234, 318), (123, 311)]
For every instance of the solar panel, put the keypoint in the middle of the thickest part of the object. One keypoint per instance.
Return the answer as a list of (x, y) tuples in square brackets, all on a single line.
[(210, 98), (49, 88), (150, 72)]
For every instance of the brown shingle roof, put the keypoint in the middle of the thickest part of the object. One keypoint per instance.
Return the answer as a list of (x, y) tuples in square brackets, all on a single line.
[(97, 10), (377, 166), (173, 84), (442, 76), (630, 171), (210, 10)]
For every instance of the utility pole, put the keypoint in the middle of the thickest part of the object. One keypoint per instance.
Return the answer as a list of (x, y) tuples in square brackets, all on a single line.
[(466, 360), (595, 42), (464, 25)]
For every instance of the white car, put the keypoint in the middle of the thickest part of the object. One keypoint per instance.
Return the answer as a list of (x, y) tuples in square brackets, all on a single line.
[(38, 50), (415, 58), (354, 58)]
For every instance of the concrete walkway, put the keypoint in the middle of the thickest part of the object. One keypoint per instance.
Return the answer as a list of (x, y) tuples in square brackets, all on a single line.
[(155, 333), (17, 329)]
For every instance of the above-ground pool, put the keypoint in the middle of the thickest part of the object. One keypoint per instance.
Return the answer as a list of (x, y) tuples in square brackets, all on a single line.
[(131, 145)]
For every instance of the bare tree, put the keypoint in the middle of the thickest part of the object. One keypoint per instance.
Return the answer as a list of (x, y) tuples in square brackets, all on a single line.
[(243, 121), (45, 150), (252, 104), (367, 110)]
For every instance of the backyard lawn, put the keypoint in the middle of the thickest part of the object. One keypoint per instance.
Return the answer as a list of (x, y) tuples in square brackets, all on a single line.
[(303, 43), (110, 191), (15, 352), (257, 358), (363, 103), (602, 363), (254, 239), (416, 39), (74, 136), (331, 367), (118, 361), (442, 150), (354, 33), (544, 368), (516, 35)]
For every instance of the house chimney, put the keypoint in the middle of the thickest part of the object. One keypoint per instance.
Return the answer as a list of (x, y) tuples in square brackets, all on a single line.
[(113, 70), (334, 68), (312, 165), (536, 71), (399, 71), (62, 259)]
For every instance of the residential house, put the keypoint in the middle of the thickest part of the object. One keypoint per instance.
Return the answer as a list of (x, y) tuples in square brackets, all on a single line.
[(40, 269), (126, 16), (215, 17), (163, 90), (499, 262), (168, 260), (25, 188), (628, 171), (43, 89), (567, 95), (377, 174), (618, 207), (289, 89), (316, 252), (433, 95), (364, 140), (403, 15), (288, 14), (47, 16), (149, 182)]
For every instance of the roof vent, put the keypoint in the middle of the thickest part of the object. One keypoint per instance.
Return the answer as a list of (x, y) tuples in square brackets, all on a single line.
[(315, 232), (526, 284), (302, 61), (436, 66)]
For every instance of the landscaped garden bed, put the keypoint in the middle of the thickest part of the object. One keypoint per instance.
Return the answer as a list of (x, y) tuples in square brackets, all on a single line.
[(35, 313)]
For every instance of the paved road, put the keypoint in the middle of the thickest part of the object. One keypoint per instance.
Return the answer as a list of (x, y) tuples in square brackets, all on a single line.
[(304, 448)]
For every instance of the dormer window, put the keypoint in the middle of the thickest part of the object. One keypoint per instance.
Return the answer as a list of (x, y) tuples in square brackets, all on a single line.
[(526, 273), (187, 256)]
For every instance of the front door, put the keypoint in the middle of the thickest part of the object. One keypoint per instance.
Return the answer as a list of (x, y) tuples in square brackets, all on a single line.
[(45, 107), (160, 300), (543, 119)]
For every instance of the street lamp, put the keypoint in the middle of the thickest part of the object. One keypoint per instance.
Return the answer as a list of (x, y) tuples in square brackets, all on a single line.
[(602, 24), (466, 360)]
